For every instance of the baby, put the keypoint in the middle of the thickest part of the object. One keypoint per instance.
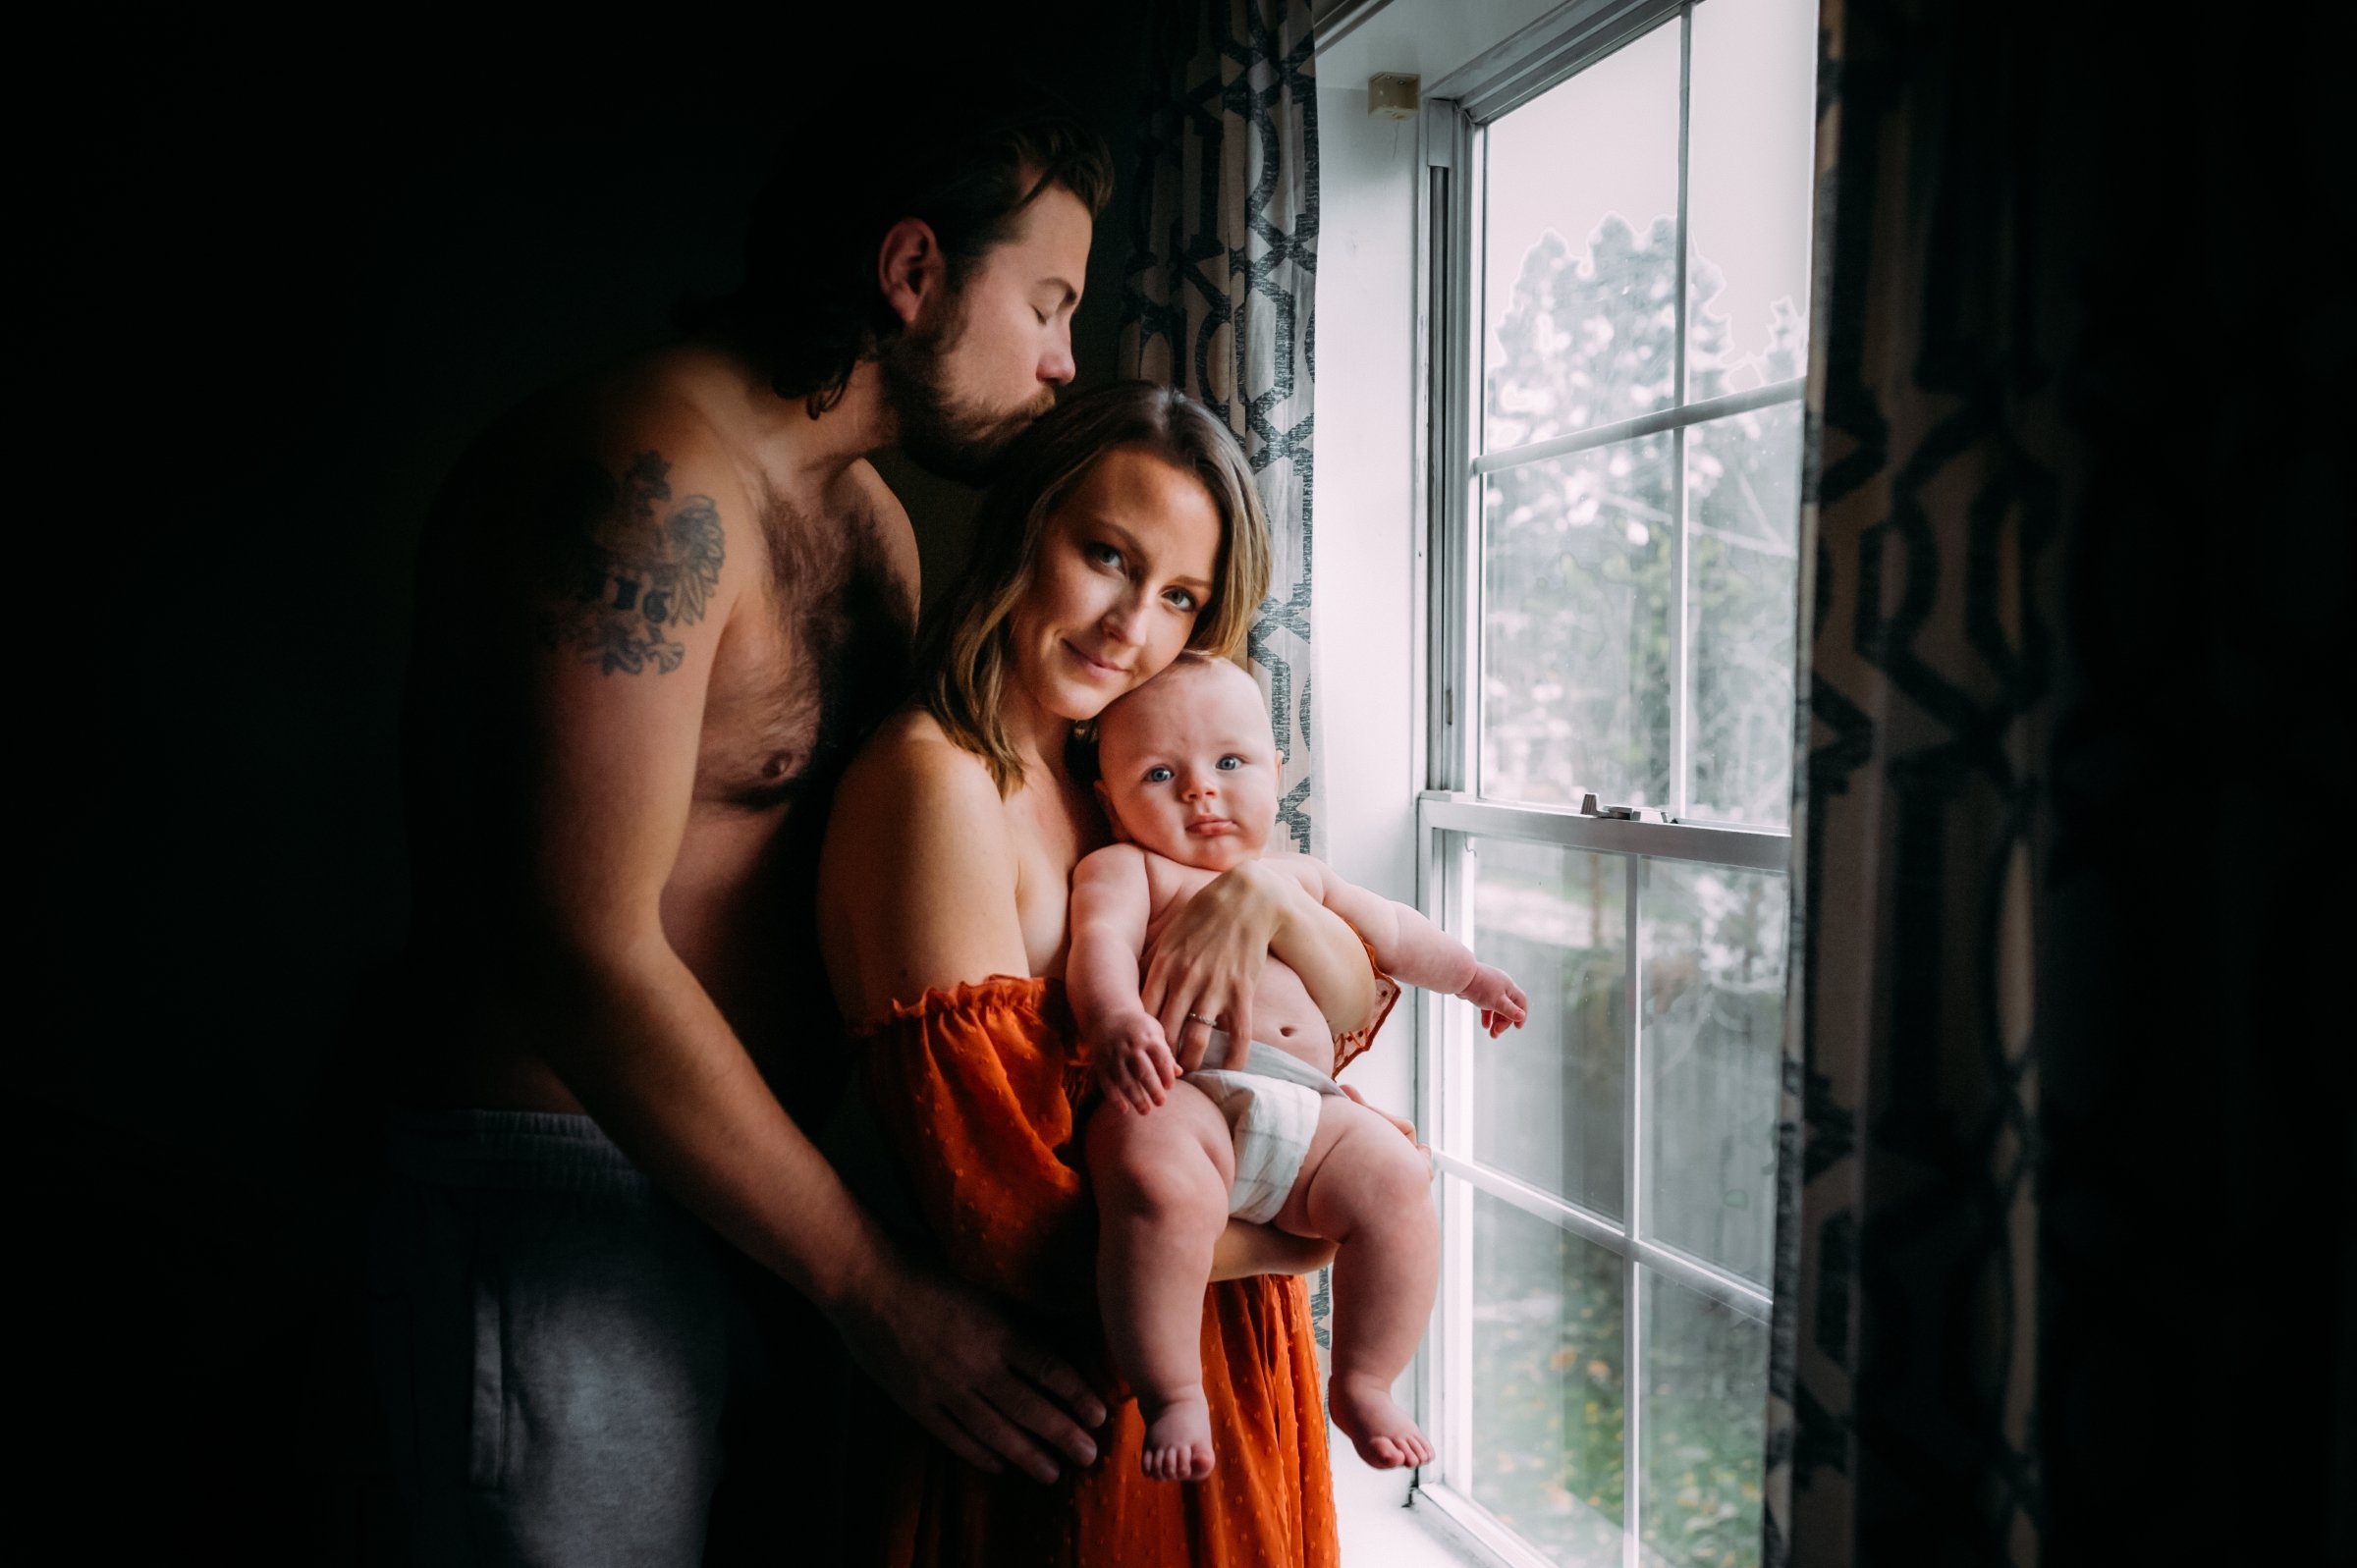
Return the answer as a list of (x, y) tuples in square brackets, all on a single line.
[(1262, 1132)]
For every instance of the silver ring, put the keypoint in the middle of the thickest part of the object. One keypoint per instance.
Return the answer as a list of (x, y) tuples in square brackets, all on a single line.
[(1197, 1017)]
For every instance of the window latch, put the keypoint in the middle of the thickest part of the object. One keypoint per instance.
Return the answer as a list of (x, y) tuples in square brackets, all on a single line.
[(1589, 808)]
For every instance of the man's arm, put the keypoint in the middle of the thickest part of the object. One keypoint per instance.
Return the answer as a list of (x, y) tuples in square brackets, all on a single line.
[(1111, 905), (639, 563), (636, 590)]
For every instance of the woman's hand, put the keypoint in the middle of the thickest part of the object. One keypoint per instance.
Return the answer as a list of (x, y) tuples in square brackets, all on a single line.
[(1207, 964), (1208, 961), (1245, 1250)]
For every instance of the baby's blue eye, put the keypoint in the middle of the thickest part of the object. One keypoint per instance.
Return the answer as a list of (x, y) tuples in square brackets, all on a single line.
[(1231, 762), (1159, 776)]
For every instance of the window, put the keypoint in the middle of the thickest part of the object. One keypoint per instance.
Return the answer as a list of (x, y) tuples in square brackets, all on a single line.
[(1618, 221)]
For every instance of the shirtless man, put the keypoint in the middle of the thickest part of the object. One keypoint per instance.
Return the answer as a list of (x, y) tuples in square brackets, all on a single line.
[(655, 609)]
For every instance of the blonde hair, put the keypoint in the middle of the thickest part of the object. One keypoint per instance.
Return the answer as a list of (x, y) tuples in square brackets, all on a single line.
[(966, 655)]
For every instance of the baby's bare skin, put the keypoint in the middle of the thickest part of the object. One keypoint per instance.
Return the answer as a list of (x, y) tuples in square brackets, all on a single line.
[(1283, 1014), (1189, 783)]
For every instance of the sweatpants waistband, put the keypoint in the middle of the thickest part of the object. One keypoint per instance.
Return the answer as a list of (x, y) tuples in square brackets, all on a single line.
[(517, 1150)]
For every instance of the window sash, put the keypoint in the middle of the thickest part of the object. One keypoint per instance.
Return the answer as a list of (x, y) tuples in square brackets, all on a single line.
[(1450, 331), (1445, 824), (1450, 811)]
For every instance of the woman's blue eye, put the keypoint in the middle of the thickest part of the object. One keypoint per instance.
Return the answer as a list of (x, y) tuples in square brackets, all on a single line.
[(1159, 776), (1182, 598), (1103, 554), (1231, 762)]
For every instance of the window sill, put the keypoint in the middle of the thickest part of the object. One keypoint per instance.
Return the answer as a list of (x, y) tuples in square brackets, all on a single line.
[(1378, 1527)]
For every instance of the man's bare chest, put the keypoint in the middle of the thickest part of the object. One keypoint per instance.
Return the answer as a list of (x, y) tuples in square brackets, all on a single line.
[(817, 649)]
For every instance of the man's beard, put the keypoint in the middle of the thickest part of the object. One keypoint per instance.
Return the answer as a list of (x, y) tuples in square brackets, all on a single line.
[(941, 434)]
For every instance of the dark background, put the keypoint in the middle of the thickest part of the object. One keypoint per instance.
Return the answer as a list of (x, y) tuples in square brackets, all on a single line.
[(270, 288), (280, 288)]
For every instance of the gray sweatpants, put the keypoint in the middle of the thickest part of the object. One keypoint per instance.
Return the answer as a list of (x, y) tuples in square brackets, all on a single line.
[(570, 1365)]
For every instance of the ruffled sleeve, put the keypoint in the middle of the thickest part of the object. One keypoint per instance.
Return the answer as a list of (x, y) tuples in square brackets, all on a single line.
[(1348, 1047), (973, 1090)]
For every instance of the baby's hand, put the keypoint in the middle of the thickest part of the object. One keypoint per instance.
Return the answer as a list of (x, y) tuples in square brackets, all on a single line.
[(1500, 1000), (1134, 1065)]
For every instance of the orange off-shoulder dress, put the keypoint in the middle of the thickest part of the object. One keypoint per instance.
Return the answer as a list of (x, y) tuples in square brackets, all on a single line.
[(976, 1091)]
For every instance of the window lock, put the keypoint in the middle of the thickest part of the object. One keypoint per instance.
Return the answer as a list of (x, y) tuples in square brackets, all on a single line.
[(1589, 808)]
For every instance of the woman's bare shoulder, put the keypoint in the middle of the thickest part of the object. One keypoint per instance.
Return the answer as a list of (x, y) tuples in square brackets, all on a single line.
[(912, 786), (919, 879)]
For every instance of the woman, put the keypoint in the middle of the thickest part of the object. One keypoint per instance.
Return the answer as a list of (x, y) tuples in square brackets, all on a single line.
[(1124, 530)]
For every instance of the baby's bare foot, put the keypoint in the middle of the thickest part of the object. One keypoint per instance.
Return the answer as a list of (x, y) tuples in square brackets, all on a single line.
[(1177, 1446), (1377, 1428)]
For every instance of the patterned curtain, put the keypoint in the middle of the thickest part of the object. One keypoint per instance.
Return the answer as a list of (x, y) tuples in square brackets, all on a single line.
[(1904, 1380), (1218, 301), (2068, 1234)]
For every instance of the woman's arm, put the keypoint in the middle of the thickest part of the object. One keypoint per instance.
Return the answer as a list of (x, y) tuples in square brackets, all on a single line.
[(916, 887), (1245, 1250), (1208, 961)]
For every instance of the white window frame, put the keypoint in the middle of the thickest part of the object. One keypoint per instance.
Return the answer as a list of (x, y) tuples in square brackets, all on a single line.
[(1450, 811)]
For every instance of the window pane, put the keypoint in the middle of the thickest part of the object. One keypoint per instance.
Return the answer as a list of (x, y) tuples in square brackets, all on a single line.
[(1714, 943), (1575, 627), (1549, 1096), (1549, 1346), (1579, 237), (1751, 150), (1703, 1436), (1743, 593)]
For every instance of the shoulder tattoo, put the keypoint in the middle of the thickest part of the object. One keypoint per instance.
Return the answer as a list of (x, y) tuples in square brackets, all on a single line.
[(629, 564)]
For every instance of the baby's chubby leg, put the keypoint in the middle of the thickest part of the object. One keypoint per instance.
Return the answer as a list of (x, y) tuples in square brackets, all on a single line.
[(1162, 1179), (1368, 1189)]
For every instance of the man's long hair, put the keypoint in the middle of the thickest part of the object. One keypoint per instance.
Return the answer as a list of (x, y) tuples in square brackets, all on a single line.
[(810, 307), (965, 661)]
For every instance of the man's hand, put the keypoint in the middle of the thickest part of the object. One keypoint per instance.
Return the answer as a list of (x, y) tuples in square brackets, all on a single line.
[(1134, 1065), (1501, 1003), (991, 1397)]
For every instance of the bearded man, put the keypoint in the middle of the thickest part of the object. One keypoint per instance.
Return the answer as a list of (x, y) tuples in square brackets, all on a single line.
[(655, 609)]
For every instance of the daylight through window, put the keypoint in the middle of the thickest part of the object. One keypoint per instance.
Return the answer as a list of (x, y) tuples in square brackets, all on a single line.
[(1619, 255)]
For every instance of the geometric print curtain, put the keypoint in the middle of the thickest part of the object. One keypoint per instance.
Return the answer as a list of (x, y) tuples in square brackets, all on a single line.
[(1903, 1385), (1218, 301), (2067, 1229), (2068, 1241)]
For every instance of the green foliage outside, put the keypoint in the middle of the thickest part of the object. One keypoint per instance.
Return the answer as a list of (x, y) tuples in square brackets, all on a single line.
[(1578, 661), (1577, 552)]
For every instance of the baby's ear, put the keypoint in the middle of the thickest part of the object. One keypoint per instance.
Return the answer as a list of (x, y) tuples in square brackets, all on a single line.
[(1112, 817)]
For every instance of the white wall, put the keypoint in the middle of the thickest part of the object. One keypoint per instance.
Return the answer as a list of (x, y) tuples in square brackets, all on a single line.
[(1362, 601), (1362, 597), (1366, 570)]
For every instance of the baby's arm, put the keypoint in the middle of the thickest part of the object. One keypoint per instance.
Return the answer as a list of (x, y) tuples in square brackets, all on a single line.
[(1111, 906), (1414, 950)]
